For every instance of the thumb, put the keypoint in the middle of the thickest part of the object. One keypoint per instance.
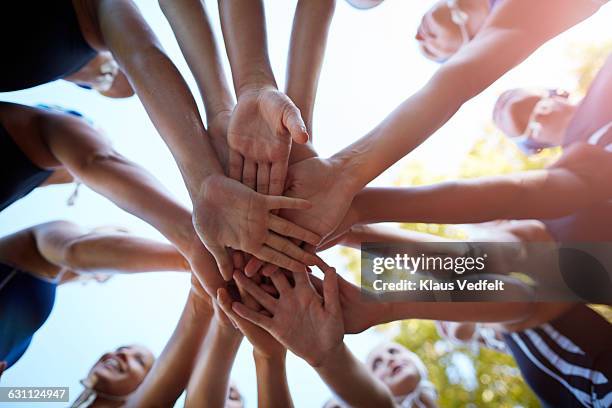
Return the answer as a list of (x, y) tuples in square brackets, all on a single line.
[(331, 296), (293, 122), (224, 261)]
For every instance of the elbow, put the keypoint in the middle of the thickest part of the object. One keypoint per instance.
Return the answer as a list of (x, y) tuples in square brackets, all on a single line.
[(74, 256), (93, 162), (143, 58)]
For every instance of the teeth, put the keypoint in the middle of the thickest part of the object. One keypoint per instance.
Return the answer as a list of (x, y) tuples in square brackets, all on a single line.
[(112, 363)]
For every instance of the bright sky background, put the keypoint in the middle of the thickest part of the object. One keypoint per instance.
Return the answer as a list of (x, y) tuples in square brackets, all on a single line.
[(372, 64)]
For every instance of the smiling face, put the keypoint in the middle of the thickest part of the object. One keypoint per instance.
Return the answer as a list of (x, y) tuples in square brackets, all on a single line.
[(120, 372), (396, 367), (541, 116), (449, 25)]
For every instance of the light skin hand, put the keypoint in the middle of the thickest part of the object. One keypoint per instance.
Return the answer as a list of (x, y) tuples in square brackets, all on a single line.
[(232, 215), (263, 343), (262, 127), (358, 313), (307, 324), (320, 182)]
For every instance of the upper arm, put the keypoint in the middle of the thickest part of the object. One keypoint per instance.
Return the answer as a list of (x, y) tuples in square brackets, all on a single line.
[(513, 31), (72, 141), (126, 33), (590, 168)]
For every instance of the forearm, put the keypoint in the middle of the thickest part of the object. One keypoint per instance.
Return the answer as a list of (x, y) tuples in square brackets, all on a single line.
[(401, 132), (306, 52), (378, 233), (171, 371), (121, 253), (191, 26), (136, 191), (244, 31), (171, 107), (272, 387), (208, 385), (350, 380), (455, 202), (486, 312)]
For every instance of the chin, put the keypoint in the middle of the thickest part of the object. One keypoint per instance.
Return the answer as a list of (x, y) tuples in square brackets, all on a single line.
[(364, 4)]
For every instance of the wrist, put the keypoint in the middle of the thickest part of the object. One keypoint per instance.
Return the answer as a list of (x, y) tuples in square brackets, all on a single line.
[(226, 333), (348, 167), (332, 359), (256, 82), (200, 306), (270, 359)]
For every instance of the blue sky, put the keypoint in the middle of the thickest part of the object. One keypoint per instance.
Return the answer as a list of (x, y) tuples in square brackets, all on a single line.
[(372, 64)]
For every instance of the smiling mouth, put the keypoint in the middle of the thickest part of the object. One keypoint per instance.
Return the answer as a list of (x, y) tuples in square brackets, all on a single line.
[(113, 364), (396, 370)]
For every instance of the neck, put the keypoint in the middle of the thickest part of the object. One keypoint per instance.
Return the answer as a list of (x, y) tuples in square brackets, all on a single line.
[(101, 402)]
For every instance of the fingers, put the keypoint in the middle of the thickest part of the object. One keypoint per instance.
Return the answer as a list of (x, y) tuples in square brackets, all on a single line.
[(331, 296), (224, 261), (223, 318), (278, 174), (281, 283), (277, 202), (252, 316), (249, 174), (278, 258), (238, 259), (292, 120), (263, 178), (289, 229), (253, 266), (260, 295), (289, 248), (235, 165), (301, 279), (269, 270)]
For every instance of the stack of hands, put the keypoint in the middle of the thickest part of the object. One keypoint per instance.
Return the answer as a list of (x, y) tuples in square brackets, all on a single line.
[(266, 213)]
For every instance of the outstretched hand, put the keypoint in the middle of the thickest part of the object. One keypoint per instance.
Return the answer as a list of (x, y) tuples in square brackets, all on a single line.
[(228, 214), (304, 322), (319, 181), (263, 125)]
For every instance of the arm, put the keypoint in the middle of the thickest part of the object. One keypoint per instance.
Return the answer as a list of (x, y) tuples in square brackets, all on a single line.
[(191, 25), (171, 107), (169, 376), (311, 327), (265, 121), (194, 34), (351, 381), (272, 387), (268, 353), (209, 382), (511, 34), (68, 245), (90, 157), (360, 311), (306, 52), (576, 181)]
